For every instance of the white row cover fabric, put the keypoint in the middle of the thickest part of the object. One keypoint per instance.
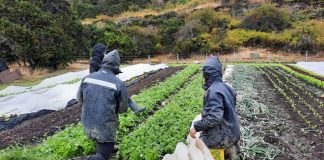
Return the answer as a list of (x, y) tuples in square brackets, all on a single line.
[(317, 67), (132, 70), (40, 97)]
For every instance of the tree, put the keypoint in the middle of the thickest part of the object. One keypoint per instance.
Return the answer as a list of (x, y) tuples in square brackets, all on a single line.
[(168, 29), (45, 35)]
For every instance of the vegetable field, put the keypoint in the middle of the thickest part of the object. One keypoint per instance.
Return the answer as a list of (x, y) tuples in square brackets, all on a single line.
[(281, 112)]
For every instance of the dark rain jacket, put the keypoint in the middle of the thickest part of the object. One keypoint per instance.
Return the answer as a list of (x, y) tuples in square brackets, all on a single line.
[(3, 66), (219, 124), (103, 97), (98, 53)]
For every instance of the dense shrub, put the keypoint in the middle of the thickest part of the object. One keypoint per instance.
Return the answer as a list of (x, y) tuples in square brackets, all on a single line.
[(122, 42), (308, 14), (205, 17), (266, 18), (155, 20), (201, 44), (168, 29), (190, 30), (308, 36), (302, 37), (146, 40), (46, 35)]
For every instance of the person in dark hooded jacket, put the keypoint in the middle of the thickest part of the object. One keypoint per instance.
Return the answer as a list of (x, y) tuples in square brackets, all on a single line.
[(103, 96), (219, 124), (98, 53)]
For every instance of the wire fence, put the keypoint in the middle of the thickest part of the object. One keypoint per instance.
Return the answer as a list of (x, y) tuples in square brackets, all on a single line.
[(252, 56)]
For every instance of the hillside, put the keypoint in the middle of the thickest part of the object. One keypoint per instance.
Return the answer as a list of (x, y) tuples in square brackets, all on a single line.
[(49, 34), (199, 27)]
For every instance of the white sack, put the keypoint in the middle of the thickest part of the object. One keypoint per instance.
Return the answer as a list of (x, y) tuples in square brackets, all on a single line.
[(181, 152)]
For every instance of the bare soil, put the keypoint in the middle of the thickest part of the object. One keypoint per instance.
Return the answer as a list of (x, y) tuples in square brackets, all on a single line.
[(298, 100), (294, 137), (33, 131)]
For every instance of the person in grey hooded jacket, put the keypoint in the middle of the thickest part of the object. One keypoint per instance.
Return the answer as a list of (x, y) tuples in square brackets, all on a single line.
[(98, 52), (219, 124), (103, 96)]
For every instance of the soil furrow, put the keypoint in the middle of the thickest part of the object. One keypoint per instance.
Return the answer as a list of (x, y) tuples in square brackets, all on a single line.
[(301, 107), (297, 141), (307, 95)]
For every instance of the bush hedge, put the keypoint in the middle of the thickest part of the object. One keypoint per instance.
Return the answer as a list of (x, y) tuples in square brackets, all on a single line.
[(45, 35)]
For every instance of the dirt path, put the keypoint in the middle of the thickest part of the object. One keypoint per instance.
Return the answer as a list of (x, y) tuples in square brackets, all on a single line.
[(33, 131)]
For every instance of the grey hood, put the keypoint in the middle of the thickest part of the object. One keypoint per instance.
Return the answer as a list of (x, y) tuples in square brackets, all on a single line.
[(111, 61), (212, 71)]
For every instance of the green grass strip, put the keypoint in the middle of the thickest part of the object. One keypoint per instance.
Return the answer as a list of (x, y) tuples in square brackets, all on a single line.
[(306, 78), (73, 142), (168, 126)]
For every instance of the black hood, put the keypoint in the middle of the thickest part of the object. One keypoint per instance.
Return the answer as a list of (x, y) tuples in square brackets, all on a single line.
[(111, 61), (212, 70), (98, 53)]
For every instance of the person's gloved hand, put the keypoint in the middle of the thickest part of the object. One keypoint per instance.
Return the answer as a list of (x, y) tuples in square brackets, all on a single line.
[(137, 110), (140, 110), (192, 132)]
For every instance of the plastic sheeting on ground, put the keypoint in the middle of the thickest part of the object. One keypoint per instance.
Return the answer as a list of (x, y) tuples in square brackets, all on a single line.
[(17, 120), (137, 69), (317, 67), (55, 98), (45, 83)]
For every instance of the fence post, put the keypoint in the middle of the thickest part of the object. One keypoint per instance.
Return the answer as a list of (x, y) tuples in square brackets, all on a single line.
[(306, 56), (206, 56), (149, 59), (234, 57), (177, 58)]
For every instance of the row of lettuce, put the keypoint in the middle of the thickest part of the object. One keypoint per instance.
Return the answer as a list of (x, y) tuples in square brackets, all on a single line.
[(311, 73), (73, 142), (161, 132)]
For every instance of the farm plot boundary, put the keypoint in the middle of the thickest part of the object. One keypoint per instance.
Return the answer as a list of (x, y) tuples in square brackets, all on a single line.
[(299, 140), (306, 72), (30, 132), (303, 102), (79, 144)]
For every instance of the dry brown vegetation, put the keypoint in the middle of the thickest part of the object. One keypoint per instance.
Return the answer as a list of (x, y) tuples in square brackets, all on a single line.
[(192, 5)]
